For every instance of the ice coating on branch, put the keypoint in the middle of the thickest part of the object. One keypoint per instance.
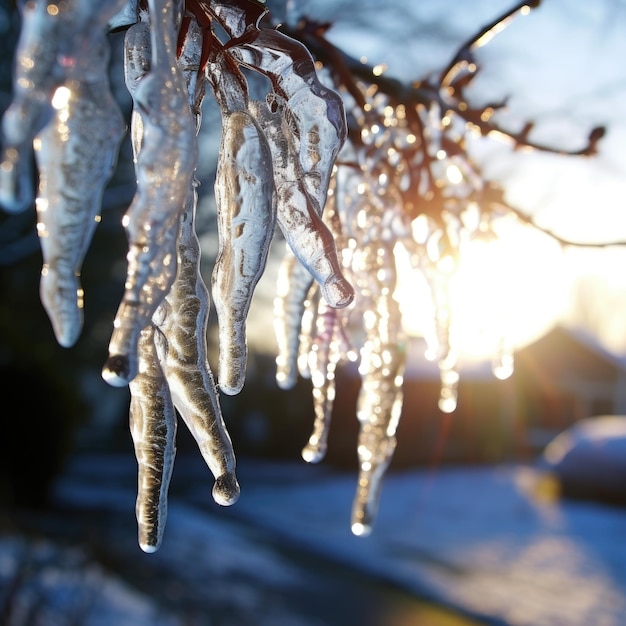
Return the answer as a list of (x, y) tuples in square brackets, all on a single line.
[(76, 154), (54, 49), (153, 430), (165, 166), (182, 319), (238, 16), (299, 215), (314, 113)]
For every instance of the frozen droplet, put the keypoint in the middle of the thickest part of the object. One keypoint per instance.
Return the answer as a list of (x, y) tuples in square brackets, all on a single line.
[(449, 377), (503, 363)]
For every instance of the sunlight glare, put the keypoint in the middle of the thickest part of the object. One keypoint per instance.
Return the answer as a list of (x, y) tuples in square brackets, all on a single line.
[(513, 287)]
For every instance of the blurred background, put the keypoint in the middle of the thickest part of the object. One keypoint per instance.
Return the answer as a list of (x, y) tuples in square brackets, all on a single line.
[(473, 525)]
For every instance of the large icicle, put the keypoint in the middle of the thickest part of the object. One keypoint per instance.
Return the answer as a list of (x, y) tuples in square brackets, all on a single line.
[(153, 430), (76, 153), (174, 347), (165, 167), (246, 218), (182, 319)]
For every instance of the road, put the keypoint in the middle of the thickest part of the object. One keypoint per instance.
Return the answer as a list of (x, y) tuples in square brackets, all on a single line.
[(215, 568)]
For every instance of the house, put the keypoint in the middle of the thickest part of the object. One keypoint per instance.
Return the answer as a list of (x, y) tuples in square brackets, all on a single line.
[(559, 379)]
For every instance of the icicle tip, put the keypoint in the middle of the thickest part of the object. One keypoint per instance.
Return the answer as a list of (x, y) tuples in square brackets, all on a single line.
[(148, 548), (338, 292), (226, 490), (312, 453), (116, 370), (360, 529)]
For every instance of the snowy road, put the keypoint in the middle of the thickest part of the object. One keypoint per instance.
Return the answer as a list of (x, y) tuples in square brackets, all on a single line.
[(216, 566), (473, 539)]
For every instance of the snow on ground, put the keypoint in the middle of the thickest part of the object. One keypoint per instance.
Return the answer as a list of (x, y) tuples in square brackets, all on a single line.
[(469, 537), (478, 539), (44, 584)]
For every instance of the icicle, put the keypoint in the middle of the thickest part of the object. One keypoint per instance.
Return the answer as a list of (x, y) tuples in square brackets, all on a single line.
[(316, 112), (173, 366), (298, 214), (165, 167), (323, 358), (383, 357), (293, 284), (183, 318), (246, 215), (246, 219), (76, 155), (307, 330), (153, 430), (53, 49)]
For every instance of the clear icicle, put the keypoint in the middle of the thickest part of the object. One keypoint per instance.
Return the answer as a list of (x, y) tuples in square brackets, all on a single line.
[(382, 365), (324, 355), (307, 330), (299, 215), (153, 430), (76, 154), (165, 167), (316, 112), (173, 366), (183, 318), (246, 218), (293, 284), (53, 50)]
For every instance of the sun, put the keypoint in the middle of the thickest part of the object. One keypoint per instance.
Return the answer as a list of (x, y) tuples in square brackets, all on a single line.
[(512, 289)]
